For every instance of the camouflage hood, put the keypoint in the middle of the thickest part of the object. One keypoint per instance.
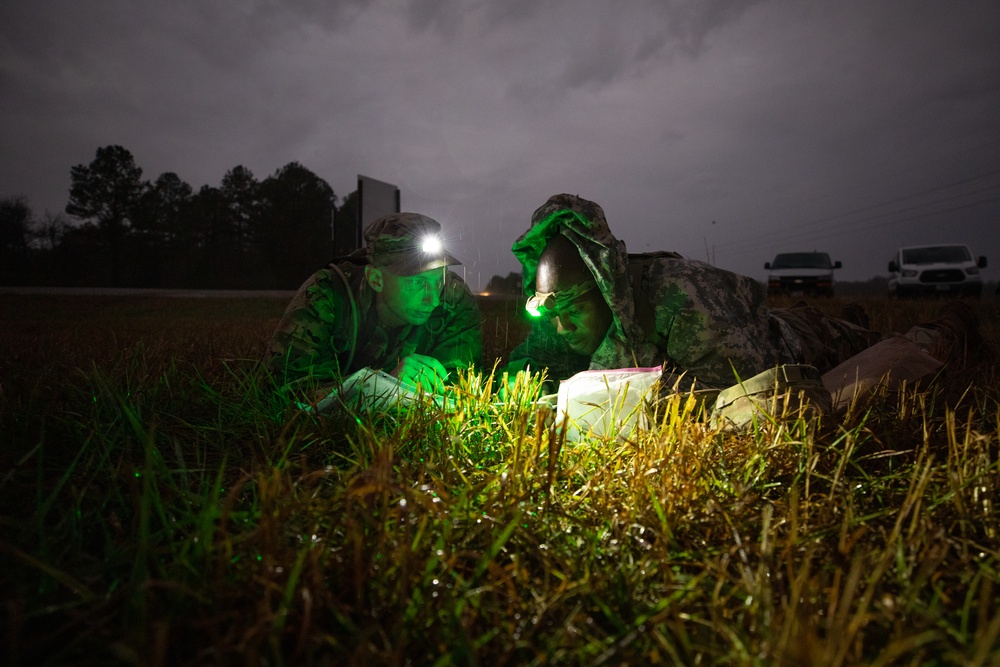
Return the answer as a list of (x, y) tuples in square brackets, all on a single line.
[(583, 223)]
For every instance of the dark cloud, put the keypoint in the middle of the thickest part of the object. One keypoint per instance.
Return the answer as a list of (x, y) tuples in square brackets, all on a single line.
[(690, 23), (443, 16), (851, 125)]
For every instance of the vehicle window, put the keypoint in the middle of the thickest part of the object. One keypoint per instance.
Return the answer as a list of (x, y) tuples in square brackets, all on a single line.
[(802, 260), (935, 254)]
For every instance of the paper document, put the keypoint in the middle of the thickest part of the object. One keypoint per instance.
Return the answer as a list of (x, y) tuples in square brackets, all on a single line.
[(370, 389), (606, 402)]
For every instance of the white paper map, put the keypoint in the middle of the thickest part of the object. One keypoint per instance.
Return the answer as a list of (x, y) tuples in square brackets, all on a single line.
[(370, 389)]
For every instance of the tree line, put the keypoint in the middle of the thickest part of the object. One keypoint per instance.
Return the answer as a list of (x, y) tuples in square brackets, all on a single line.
[(125, 231)]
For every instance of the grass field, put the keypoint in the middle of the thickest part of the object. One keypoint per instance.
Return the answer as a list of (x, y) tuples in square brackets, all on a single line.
[(159, 506)]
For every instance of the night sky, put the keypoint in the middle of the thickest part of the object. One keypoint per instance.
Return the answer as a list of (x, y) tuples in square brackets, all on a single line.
[(723, 130)]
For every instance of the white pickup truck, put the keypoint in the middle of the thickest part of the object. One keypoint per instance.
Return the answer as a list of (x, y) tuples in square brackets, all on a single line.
[(797, 273), (935, 269)]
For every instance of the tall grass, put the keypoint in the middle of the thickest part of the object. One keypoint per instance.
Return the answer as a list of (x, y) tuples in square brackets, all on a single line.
[(159, 505)]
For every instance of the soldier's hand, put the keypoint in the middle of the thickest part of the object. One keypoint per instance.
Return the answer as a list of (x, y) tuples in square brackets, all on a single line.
[(420, 369)]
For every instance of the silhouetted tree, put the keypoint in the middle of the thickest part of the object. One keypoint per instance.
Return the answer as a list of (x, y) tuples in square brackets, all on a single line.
[(46, 241), (241, 192), (105, 194), (162, 208), (15, 222), (158, 223), (47, 233), (209, 240), (346, 217), (295, 224), (80, 259), (205, 222), (509, 285)]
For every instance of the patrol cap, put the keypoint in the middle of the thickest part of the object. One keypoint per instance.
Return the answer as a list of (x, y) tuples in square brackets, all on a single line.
[(406, 244)]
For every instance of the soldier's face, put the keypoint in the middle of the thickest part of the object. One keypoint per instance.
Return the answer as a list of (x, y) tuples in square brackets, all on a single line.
[(408, 299), (584, 322)]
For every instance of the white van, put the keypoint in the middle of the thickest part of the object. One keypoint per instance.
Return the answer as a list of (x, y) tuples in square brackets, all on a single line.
[(935, 269)]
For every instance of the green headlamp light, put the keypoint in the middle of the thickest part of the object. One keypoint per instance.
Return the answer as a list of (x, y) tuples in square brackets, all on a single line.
[(547, 304)]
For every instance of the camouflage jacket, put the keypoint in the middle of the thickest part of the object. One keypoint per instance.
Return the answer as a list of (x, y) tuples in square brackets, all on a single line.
[(702, 322), (331, 329)]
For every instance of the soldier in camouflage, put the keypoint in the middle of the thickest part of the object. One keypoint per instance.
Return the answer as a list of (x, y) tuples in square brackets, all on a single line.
[(392, 305), (600, 308)]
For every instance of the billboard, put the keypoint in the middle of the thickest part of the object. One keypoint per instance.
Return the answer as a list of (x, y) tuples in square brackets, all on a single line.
[(374, 198)]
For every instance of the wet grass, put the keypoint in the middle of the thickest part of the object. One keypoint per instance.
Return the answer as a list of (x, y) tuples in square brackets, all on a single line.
[(158, 505)]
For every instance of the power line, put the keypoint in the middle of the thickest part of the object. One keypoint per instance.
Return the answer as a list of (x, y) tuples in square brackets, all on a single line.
[(946, 158), (805, 230), (896, 221)]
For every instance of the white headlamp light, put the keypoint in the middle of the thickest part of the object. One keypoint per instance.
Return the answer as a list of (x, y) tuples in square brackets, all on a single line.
[(432, 245)]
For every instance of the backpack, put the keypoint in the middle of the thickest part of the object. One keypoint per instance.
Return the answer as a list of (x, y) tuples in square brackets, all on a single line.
[(785, 392), (645, 315)]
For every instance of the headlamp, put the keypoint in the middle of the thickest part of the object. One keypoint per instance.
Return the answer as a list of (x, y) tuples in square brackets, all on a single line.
[(550, 303), (541, 303), (432, 244)]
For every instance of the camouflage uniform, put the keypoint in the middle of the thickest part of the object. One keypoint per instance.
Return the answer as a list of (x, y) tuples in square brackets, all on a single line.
[(331, 327), (702, 322)]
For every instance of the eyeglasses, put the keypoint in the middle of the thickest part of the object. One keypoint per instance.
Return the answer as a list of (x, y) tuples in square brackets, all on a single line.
[(550, 303)]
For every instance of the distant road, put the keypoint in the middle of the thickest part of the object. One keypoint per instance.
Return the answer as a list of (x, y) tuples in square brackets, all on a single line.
[(137, 291)]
